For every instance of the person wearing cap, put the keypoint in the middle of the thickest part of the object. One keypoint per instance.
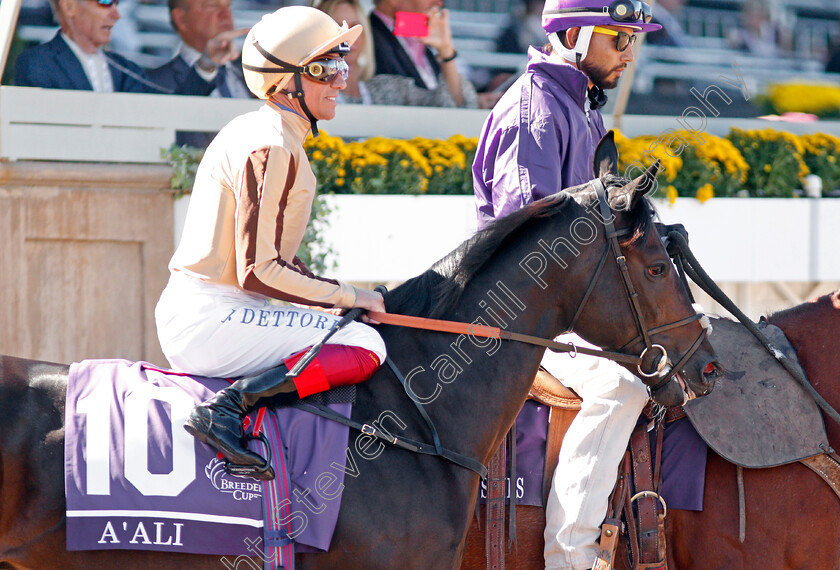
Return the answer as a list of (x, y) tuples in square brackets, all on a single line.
[(75, 57), (539, 139), (249, 209)]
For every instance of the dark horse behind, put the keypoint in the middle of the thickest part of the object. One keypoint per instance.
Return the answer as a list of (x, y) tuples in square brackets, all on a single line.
[(528, 273)]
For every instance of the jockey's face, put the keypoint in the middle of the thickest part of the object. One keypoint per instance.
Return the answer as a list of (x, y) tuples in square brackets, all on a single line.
[(603, 63)]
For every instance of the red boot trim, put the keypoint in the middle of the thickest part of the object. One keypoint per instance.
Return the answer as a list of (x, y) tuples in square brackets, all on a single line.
[(311, 379), (336, 365)]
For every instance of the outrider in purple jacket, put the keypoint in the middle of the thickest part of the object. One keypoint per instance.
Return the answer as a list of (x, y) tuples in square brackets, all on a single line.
[(539, 139)]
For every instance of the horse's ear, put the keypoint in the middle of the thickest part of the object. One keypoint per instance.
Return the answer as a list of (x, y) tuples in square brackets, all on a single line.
[(644, 183), (606, 157)]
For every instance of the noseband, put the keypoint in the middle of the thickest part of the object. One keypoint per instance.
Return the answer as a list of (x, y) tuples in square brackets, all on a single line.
[(645, 333)]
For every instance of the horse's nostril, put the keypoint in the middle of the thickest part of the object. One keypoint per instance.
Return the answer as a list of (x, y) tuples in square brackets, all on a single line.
[(712, 372)]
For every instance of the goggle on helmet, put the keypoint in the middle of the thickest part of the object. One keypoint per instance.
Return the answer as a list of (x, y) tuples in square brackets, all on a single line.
[(561, 15)]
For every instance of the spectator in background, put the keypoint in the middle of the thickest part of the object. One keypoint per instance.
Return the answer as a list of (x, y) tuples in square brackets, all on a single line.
[(833, 61), (207, 49), (833, 65), (364, 86), (75, 57), (524, 31), (427, 60), (665, 13), (756, 33)]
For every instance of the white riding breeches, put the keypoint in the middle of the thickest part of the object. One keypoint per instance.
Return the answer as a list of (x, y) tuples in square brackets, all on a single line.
[(223, 331), (591, 453)]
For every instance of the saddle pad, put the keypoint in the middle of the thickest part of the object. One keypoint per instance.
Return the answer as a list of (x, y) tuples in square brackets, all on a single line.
[(683, 465), (134, 479), (531, 435), (758, 415)]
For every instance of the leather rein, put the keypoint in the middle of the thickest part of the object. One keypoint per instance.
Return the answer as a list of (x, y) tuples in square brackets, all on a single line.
[(481, 330), (645, 333)]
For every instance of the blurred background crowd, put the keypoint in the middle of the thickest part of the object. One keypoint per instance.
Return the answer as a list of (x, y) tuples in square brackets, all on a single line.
[(769, 41)]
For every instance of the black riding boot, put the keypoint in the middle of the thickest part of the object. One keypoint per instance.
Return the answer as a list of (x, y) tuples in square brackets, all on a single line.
[(218, 421)]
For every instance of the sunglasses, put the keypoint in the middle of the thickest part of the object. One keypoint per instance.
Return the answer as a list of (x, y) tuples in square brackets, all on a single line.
[(107, 3), (326, 70), (623, 40)]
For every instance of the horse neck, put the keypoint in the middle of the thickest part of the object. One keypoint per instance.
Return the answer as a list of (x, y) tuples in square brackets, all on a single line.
[(494, 376), (813, 328)]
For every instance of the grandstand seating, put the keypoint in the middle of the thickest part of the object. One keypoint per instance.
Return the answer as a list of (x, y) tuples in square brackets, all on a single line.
[(814, 24)]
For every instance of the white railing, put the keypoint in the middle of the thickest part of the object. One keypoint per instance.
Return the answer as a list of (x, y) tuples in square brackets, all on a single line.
[(736, 239), (44, 124)]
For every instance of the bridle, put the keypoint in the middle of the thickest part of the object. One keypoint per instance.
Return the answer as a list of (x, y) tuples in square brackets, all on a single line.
[(645, 333), (483, 330)]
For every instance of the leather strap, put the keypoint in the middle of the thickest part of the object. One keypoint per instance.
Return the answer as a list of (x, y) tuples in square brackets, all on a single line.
[(826, 467), (494, 534), (646, 503), (559, 420), (609, 540), (485, 331), (605, 559)]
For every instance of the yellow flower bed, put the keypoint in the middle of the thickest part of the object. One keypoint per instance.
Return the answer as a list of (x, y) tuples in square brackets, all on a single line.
[(776, 161), (744, 163), (392, 166), (822, 100)]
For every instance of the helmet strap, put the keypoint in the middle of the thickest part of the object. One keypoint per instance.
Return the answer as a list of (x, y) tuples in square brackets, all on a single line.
[(286, 67), (578, 53), (299, 95)]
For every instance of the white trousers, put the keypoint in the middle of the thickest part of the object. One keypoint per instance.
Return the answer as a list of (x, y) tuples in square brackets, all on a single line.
[(590, 455), (223, 331)]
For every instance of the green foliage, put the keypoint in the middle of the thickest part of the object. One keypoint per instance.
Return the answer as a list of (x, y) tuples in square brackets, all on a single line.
[(184, 160), (822, 156), (775, 161)]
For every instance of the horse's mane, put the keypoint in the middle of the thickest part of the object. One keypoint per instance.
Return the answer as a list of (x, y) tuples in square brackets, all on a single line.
[(438, 290)]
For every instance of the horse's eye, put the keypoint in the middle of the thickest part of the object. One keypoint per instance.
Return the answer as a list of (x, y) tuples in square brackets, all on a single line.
[(656, 270)]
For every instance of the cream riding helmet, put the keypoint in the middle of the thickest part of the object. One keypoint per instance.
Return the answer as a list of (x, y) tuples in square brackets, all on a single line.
[(284, 45), (560, 15)]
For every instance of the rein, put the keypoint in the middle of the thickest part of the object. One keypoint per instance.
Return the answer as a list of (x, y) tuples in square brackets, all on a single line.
[(692, 267), (486, 331), (645, 333)]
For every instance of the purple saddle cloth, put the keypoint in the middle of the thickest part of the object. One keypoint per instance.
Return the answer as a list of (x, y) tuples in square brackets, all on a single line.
[(135, 479), (683, 461)]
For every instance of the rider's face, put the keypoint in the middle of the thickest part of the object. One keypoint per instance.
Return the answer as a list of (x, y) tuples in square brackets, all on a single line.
[(604, 64), (320, 97)]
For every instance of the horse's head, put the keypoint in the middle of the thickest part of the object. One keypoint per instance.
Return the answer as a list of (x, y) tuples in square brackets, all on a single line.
[(637, 289)]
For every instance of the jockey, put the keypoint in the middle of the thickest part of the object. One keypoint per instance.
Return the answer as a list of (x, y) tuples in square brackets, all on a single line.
[(539, 139), (250, 205)]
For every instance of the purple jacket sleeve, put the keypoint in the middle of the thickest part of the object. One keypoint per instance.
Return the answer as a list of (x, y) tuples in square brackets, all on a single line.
[(520, 162)]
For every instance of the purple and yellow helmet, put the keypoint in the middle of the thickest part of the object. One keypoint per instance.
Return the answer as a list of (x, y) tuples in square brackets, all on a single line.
[(561, 15)]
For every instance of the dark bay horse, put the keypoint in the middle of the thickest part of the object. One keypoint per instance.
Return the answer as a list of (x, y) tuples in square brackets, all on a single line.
[(792, 516), (528, 272)]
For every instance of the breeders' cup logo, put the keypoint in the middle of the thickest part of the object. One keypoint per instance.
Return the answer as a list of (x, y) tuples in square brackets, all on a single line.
[(242, 488)]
